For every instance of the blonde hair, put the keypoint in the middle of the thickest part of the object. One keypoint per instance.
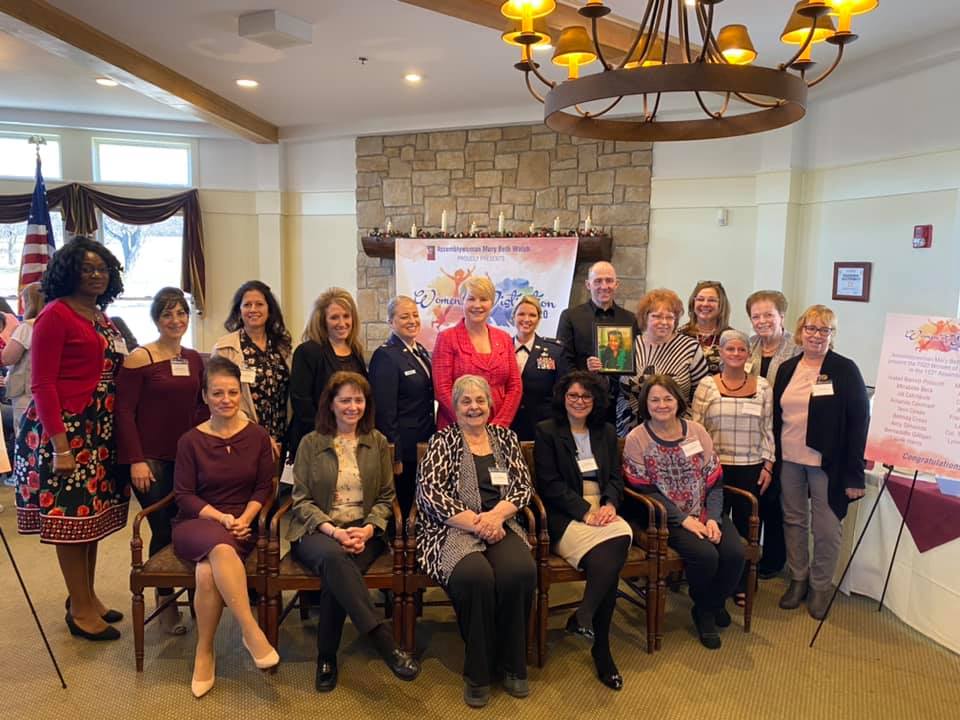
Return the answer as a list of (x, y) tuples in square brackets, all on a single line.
[(316, 328), (816, 312), (33, 300), (529, 300), (396, 303), (655, 298), (480, 286)]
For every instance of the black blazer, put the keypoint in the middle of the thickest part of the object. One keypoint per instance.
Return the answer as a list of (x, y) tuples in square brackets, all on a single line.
[(545, 365), (836, 424), (403, 397), (313, 364), (559, 481)]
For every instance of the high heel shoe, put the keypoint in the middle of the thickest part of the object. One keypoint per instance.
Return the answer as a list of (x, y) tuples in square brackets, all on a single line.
[(108, 633), (263, 663), (110, 616), (199, 688)]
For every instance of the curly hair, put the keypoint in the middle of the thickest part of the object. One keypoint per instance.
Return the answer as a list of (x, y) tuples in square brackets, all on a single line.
[(316, 328), (62, 275), (661, 297), (326, 423), (592, 384), (276, 329)]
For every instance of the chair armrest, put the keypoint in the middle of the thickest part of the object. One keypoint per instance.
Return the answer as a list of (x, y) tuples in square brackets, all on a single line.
[(754, 505), (544, 536), (275, 522), (656, 512), (398, 534), (136, 542), (531, 528), (265, 510)]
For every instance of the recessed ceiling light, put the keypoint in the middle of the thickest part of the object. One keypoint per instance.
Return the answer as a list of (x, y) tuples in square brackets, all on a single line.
[(413, 78), (247, 83), (106, 82)]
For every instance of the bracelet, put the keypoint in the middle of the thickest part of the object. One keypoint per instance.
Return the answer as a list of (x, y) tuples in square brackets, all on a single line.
[(63, 454)]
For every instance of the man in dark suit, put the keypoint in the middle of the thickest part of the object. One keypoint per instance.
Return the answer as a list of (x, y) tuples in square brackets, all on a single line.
[(400, 374), (542, 363), (576, 329)]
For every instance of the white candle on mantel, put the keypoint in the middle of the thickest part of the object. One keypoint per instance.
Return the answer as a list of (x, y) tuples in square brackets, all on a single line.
[(443, 222), (413, 230), (556, 224), (533, 228), (587, 224), (389, 226), (500, 223), (473, 228)]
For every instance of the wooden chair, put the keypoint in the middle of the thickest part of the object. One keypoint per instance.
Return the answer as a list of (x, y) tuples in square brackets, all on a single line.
[(165, 569), (670, 562), (287, 574), (641, 564), (416, 581)]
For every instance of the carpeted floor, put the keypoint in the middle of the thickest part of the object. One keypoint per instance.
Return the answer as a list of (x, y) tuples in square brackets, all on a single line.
[(865, 664)]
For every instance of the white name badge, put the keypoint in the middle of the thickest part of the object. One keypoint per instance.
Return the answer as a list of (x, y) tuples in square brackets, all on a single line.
[(752, 408), (499, 478), (748, 367), (587, 465), (179, 368), (120, 345), (409, 372), (822, 389), (692, 448), (248, 375)]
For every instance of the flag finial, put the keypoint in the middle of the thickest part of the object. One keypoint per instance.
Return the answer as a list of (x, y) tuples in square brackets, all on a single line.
[(37, 141)]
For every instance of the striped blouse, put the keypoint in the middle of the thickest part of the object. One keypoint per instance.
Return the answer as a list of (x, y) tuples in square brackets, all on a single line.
[(680, 357)]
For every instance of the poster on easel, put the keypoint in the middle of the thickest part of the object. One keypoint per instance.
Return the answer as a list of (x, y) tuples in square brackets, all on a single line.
[(915, 423), (432, 270)]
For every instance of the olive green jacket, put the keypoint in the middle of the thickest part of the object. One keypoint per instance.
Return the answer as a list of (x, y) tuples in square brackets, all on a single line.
[(315, 482)]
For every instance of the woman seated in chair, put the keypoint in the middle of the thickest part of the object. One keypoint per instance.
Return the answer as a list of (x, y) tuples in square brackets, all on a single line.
[(224, 474), (342, 499), (578, 476), (672, 460), (471, 483)]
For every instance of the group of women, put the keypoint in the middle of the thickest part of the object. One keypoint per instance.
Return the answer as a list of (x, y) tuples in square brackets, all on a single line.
[(706, 405)]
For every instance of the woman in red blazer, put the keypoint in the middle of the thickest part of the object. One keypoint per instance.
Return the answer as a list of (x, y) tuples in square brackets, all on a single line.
[(472, 347)]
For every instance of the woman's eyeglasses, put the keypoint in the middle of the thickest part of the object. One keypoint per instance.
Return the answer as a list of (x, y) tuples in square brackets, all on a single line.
[(814, 330), (577, 397)]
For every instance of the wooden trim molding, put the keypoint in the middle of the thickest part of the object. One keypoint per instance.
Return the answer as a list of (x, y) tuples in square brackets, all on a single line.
[(59, 33)]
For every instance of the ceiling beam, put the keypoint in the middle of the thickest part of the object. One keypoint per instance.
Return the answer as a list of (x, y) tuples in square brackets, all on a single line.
[(53, 30), (616, 36)]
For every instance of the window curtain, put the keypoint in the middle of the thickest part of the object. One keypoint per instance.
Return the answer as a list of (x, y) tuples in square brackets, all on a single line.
[(79, 204)]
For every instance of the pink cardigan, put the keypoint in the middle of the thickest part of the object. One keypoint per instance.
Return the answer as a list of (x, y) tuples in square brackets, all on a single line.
[(454, 355)]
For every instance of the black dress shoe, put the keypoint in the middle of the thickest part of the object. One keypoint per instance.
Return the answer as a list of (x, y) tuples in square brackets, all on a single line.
[(402, 664), (326, 675), (575, 628), (768, 573), (110, 616), (722, 618), (706, 626), (108, 633), (613, 680)]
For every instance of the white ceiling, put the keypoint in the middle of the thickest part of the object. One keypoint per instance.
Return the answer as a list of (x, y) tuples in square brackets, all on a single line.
[(322, 89)]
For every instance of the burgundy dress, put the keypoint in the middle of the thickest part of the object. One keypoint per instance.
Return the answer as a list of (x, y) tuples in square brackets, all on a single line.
[(226, 473)]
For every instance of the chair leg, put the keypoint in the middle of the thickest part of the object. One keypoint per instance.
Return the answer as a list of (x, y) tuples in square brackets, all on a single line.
[(138, 614), (273, 614), (409, 621), (304, 601), (397, 617), (191, 592), (543, 614), (660, 612), (533, 633), (751, 590)]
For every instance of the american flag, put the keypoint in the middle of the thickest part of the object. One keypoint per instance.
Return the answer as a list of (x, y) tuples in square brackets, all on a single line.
[(39, 244)]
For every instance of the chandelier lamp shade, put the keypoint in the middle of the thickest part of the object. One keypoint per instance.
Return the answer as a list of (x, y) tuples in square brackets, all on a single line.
[(675, 50)]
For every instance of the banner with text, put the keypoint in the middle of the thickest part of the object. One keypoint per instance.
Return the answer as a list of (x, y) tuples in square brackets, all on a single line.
[(916, 409), (431, 271)]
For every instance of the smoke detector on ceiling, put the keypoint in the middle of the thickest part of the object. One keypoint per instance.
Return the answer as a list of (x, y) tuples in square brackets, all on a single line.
[(275, 29)]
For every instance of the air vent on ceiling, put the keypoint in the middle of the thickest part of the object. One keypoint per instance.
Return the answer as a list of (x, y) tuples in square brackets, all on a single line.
[(275, 29)]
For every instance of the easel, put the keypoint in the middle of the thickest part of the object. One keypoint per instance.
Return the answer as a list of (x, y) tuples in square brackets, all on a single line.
[(896, 546)]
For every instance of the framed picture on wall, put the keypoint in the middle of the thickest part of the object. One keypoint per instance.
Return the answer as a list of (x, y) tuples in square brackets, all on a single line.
[(613, 344), (851, 281)]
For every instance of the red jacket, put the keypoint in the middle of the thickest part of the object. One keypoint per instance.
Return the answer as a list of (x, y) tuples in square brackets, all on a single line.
[(454, 355), (67, 360)]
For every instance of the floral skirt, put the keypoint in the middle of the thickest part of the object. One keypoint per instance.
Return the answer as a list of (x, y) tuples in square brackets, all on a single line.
[(88, 504)]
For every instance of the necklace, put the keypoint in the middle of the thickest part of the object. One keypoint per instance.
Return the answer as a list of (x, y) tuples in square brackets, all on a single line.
[(730, 389), (706, 339)]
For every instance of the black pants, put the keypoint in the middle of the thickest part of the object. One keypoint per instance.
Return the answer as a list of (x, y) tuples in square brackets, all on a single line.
[(160, 522), (745, 477), (713, 571), (492, 593), (344, 592)]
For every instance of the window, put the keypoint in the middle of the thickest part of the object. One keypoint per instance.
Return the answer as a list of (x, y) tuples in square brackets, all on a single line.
[(150, 255), (18, 158), (141, 163), (11, 250)]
